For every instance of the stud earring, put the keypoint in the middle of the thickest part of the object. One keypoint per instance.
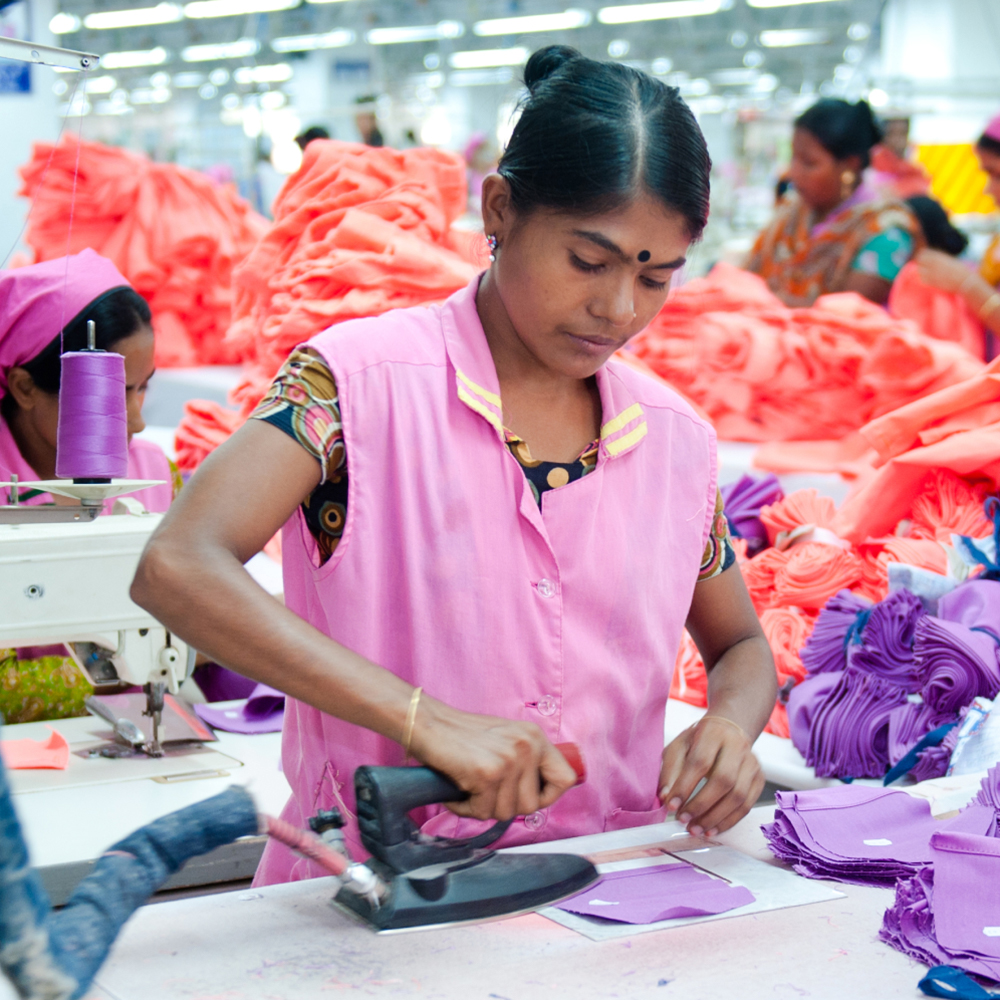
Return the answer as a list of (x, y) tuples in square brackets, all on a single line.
[(492, 243), (847, 181)]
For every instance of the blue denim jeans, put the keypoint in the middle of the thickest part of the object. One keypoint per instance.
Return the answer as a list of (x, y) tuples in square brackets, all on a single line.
[(54, 955)]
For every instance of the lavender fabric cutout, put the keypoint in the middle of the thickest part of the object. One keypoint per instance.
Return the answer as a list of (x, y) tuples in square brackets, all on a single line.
[(262, 712), (660, 892), (743, 501)]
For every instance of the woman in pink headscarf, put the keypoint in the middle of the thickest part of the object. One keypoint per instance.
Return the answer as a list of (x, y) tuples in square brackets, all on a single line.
[(981, 290), (36, 303)]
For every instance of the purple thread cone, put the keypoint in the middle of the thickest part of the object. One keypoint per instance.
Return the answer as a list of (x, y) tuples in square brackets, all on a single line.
[(92, 440)]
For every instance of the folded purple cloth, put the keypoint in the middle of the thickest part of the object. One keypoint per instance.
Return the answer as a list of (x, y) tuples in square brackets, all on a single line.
[(826, 648), (262, 712), (958, 664), (804, 700), (743, 501), (886, 648), (660, 892), (975, 605)]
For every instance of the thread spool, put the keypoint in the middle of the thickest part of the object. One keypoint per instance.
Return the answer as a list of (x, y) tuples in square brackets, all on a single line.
[(92, 436)]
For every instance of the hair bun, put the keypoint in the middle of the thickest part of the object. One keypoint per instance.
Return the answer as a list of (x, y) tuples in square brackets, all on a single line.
[(866, 117), (544, 62)]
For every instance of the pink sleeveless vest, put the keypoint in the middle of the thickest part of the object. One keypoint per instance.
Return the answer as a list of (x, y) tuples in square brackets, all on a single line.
[(449, 575)]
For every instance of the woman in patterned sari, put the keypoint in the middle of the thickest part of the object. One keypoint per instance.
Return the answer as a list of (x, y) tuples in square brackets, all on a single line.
[(834, 234)]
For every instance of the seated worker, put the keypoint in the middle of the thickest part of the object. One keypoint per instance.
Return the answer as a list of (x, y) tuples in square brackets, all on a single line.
[(494, 532), (833, 234), (44, 683), (981, 290)]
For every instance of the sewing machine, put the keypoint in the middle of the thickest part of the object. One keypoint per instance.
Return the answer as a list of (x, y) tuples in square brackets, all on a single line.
[(65, 575)]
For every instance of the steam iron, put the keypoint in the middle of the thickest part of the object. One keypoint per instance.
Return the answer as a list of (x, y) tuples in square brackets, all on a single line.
[(437, 880)]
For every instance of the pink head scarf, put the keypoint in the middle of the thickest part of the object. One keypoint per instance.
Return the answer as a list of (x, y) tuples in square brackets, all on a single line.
[(37, 301), (992, 130)]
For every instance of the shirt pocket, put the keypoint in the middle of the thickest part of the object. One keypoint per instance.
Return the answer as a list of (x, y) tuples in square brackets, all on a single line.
[(625, 819)]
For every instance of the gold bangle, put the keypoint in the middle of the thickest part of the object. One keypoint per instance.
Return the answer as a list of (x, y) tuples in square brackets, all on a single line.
[(729, 722), (989, 306), (411, 718)]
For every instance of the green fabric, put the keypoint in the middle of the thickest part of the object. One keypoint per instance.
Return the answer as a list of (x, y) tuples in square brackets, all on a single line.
[(885, 254), (50, 687)]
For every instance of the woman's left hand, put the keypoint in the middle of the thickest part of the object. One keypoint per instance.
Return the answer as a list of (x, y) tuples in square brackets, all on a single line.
[(942, 271), (718, 750)]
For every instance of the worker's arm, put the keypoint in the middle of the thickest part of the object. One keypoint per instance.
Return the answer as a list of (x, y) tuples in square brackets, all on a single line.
[(742, 687), (871, 286), (952, 275), (191, 578)]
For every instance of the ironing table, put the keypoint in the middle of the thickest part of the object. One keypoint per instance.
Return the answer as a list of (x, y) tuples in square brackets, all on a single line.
[(68, 824), (287, 943)]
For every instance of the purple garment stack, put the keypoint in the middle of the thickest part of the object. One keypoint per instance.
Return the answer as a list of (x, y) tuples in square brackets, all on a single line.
[(948, 913), (865, 836), (881, 677), (743, 501), (826, 648)]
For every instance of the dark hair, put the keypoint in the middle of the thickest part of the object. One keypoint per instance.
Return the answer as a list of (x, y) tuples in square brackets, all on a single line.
[(842, 129), (938, 231), (591, 134), (117, 314), (988, 144), (311, 133)]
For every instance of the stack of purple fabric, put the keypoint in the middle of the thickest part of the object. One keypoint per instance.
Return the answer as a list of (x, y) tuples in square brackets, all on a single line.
[(948, 913), (881, 677), (866, 836), (743, 501)]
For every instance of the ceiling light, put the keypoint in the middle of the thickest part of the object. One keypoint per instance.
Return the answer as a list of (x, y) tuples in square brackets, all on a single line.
[(275, 73), (843, 72), (786, 38), (126, 60), (101, 85), (618, 47), (235, 8), (60, 87), (418, 33), (219, 76), (188, 80), (432, 60), (162, 13), (858, 31), (738, 77), (766, 83), (658, 11), (112, 108), (781, 3), (78, 107), (309, 43), (483, 58), (481, 77), (207, 91), (753, 58), (63, 24), (231, 101), (224, 50), (853, 54), (662, 65), (160, 79), (533, 22), (150, 95), (695, 88), (738, 39), (273, 100), (878, 98)]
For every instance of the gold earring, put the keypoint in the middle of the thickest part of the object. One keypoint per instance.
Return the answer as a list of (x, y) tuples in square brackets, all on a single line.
[(847, 181)]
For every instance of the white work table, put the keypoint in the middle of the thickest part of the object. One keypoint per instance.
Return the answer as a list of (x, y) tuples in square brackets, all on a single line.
[(68, 826), (287, 943)]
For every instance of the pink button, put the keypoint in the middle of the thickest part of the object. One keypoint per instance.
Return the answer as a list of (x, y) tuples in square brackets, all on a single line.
[(546, 705), (546, 587), (535, 821)]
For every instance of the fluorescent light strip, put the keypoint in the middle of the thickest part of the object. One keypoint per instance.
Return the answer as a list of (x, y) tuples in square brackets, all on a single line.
[(64, 24), (533, 22), (418, 33), (101, 85), (225, 50), (163, 13), (127, 60), (481, 77), (658, 11), (235, 8), (188, 80), (485, 58), (782, 3), (786, 38), (738, 77), (274, 73), (309, 43)]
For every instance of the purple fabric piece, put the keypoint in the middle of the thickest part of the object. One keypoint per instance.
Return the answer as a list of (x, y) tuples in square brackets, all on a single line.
[(262, 712), (958, 664), (975, 604), (887, 641), (219, 684), (743, 501), (908, 723), (824, 650), (661, 892), (804, 700)]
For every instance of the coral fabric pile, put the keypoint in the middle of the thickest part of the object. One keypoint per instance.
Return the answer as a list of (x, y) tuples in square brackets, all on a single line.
[(357, 231), (764, 372), (174, 233)]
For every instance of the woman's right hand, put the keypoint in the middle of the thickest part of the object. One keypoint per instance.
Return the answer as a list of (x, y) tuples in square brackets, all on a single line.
[(508, 768)]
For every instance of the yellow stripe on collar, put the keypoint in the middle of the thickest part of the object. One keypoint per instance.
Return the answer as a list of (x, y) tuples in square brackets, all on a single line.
[(623, 418), (627, 440), (490, 397), (481, 408)]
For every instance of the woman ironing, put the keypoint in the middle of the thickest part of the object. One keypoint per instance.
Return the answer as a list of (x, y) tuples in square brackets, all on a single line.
[(496, 532)]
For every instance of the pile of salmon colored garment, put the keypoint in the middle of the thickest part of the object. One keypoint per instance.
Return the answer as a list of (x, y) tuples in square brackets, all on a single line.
[(808, 562), (357, 231), (173, 232), (765, 372)]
